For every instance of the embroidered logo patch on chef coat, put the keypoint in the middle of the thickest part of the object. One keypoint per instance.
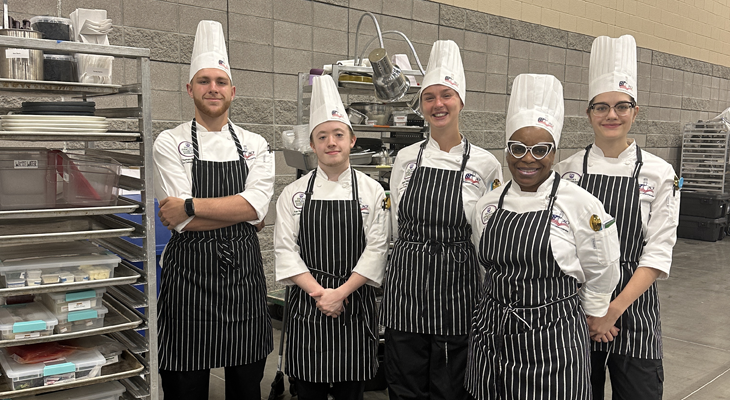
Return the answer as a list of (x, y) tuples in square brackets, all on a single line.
[(646, 187), (409, 169), (248, 155), (472, 178), (571, 176), (364, 208), (487, 212), (559, 220), (185, 149), (298, 200)]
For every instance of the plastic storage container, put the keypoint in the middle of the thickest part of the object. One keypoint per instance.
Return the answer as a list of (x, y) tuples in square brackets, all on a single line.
[(59, 303), (31, 262), (89, 180), (76, 321), (100, 391), (59, 67), (110, 348), (53, 28), (703, 204), (27, 320), (94, 68), (28, 179), (698, 228), (81, 364)]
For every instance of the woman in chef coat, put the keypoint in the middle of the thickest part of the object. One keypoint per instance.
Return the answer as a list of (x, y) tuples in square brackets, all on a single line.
[(430, 285), (539, 238), (331, 242), (642, 191)]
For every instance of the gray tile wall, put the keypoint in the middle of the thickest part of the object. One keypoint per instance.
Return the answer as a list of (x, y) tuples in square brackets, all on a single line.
[(270, 41)]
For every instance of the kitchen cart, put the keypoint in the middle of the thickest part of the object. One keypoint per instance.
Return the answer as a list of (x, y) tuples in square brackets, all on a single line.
[(131, 313)]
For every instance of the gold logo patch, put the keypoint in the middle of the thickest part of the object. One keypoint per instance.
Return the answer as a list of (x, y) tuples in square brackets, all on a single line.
[(595, 223)]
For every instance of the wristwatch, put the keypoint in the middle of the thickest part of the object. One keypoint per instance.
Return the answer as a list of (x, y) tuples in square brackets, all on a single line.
[(189, 207)]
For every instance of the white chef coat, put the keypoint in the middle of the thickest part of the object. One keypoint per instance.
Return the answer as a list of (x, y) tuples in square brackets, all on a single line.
[(659, 201), (173, 155), (590, 257), (375, 220), (481, 170)]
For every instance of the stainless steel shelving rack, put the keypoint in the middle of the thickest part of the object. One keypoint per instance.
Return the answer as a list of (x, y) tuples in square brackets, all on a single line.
[(705, 164), (137, 369)]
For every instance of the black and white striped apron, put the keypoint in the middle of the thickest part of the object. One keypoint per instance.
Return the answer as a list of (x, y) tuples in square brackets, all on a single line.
[(321, 348), (640, 333), (431, 281), (212, 304), (529, 336)]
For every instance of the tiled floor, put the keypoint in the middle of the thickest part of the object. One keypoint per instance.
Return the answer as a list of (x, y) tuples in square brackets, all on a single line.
[(695, 319)]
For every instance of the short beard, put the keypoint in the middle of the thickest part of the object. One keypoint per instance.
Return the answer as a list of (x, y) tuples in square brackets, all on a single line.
[(204, 109)]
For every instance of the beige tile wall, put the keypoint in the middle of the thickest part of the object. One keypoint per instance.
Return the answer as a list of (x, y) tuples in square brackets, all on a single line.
[(697, 29)]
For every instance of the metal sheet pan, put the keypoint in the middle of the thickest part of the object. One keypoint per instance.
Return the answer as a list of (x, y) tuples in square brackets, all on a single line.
[(123, 206), (59, 136), (127, 367), (44, 230)]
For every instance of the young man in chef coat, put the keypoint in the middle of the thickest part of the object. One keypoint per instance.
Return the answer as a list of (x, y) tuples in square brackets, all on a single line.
[(214, 182), (331, 242)]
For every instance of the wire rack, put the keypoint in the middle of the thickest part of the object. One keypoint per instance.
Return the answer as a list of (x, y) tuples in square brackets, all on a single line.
[(704, 165)]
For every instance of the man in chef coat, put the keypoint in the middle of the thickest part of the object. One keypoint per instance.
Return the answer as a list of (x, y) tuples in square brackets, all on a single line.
[(331, 241), (214, 181)]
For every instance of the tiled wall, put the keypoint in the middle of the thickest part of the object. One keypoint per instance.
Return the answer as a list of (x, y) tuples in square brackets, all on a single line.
[(270, 41), (689, 28)]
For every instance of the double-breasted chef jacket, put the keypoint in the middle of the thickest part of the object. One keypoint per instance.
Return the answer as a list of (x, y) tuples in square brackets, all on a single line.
[(212, 304), (322, 348), (529, 334), (658, 202), (478, 176)]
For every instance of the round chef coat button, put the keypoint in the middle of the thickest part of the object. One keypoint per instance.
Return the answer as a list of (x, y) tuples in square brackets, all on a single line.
[(590, 164), (627, 162), (345, 185), (458, 159), (319, 185)]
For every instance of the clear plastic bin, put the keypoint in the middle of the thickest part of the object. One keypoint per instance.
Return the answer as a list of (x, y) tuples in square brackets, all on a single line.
[(110, 348), (100, 391), (89, 180), (28, 179), (27, 320), (32, 262), (59, 303), (80, 364), (94, 68), (77, 321)]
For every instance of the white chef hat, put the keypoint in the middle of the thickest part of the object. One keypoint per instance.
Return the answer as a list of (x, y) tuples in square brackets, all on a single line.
[(613, 66), (326, 104), (445, 68), (209, 50), (536, 100)]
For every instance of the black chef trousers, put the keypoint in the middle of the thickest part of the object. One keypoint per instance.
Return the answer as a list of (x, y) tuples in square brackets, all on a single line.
[(631, 378), (339, 390), (423, 366), (242, 382)]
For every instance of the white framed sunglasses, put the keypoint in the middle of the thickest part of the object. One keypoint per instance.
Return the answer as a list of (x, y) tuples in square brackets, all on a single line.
[(538, 151)]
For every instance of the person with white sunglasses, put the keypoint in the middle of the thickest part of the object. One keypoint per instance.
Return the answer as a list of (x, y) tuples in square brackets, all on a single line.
[(539, 238)]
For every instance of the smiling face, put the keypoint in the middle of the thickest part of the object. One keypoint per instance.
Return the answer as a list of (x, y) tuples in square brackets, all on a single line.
[(612, 127), (441, 106), (332, 141), (212, 92), (528, 172)]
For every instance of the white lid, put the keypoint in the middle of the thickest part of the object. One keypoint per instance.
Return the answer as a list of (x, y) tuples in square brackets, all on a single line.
[(23, 316), (83, 315), (82, 360), (45, 18), (54, 255), (64, 297), (98, 391)]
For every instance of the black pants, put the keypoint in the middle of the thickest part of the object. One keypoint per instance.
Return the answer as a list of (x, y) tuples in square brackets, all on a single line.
[(419, 366), (631, 378), (339, 390), (242, 382)]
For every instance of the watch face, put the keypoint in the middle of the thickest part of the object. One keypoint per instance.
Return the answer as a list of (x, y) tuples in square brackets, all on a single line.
[(189, 207)]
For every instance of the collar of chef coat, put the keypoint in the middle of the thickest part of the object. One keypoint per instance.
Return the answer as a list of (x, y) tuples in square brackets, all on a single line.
[(542, 190), (433, 144), (628, 154), (345, 176), (200, 128)]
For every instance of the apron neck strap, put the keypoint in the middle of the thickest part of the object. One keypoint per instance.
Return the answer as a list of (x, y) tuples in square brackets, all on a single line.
[(553, 191), (353, 181), (464, 159), (637, 165), (194, 137)]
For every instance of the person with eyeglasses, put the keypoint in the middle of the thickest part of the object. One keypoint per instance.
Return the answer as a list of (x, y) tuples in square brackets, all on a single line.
[(641, 191), (432, 277), (539, 238)]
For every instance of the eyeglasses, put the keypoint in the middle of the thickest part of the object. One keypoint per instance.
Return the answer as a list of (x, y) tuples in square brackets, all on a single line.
[(602, 109), (538, 151)]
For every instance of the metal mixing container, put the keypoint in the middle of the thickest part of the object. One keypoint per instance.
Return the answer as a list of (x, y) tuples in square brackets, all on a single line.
[(24, 64)]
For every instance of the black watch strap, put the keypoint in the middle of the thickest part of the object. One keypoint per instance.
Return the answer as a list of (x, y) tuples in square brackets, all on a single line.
[(189, 207)]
